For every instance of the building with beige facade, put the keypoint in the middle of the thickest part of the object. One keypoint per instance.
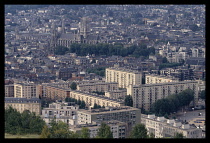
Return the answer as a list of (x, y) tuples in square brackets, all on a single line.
[(21, 104), (127, 114), (153, 79), (118, 129), (62, 111), (145, 95), (167, 128), (9, 90), (116, 94), (90, 99), (124, 77), (98, 86), (56, 93), (26, 90)]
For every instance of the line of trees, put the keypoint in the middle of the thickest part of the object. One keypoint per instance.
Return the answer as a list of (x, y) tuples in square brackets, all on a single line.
[(81, 104), (172, 103), (109, 50), (22, 123), (99, 71)]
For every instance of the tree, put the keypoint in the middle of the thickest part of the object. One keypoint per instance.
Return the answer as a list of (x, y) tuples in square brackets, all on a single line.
[(85, 133), (73, 86), (139, 131), (203, 94), (45, 132), (104, 131), (179, 135), (128, 101), (164, 60)]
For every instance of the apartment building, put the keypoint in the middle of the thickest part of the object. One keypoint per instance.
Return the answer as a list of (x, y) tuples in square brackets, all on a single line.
[(90, 99), (56, 93), (162, 127), (118, 129), (98, 86), (116, 94), (127, 114), (124, 77), (153, 79), (21, 104), (9, 90), (62, 111), (26, 90), (145, 95)]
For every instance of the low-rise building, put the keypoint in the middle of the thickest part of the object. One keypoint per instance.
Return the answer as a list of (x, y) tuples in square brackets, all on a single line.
[(21, 104), (167, 128), (98, 86), (116, 94), (90, 99), (153, 79), (127, 114), (118, 129), (62, 111)]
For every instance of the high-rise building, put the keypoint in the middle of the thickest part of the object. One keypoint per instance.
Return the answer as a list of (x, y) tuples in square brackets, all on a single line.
[(26, 90), (124, 77)]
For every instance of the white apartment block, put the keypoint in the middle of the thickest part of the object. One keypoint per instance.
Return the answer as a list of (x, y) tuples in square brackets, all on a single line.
[(98, 86), (167, 128), (118, 129), (124, 77), (26, 90), (145, 95), (62, 111), (90, 99), (153, 79)]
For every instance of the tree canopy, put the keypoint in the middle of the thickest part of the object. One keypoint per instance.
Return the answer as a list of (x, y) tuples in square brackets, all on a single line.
[(73, 86), (104, 131), (22, 123), (128, 100), (139, 131), (172, 103)]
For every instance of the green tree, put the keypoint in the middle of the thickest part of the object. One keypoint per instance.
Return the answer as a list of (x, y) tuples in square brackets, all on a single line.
[(179, 135), (139, 131), (45, 132), (128, 100), (164, 60), (61, 50), (203, 94), (85, 133), (104, 131), (73, 86)]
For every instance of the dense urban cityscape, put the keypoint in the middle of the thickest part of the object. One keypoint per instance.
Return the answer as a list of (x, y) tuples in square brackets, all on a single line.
[(105, 71)]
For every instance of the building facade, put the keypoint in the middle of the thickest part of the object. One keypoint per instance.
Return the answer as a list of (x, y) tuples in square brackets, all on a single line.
[(167, 128), (98, 86), (9, 90), (145, 95), (62, 111), (56, 93), (90, 99), (21, 104), (116, 94), (127, 114), (118, 129), (124, 77), (26, 90), (153, 79)]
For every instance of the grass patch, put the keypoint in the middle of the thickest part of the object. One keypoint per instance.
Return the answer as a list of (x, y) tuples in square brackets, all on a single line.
[(6, 135)]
